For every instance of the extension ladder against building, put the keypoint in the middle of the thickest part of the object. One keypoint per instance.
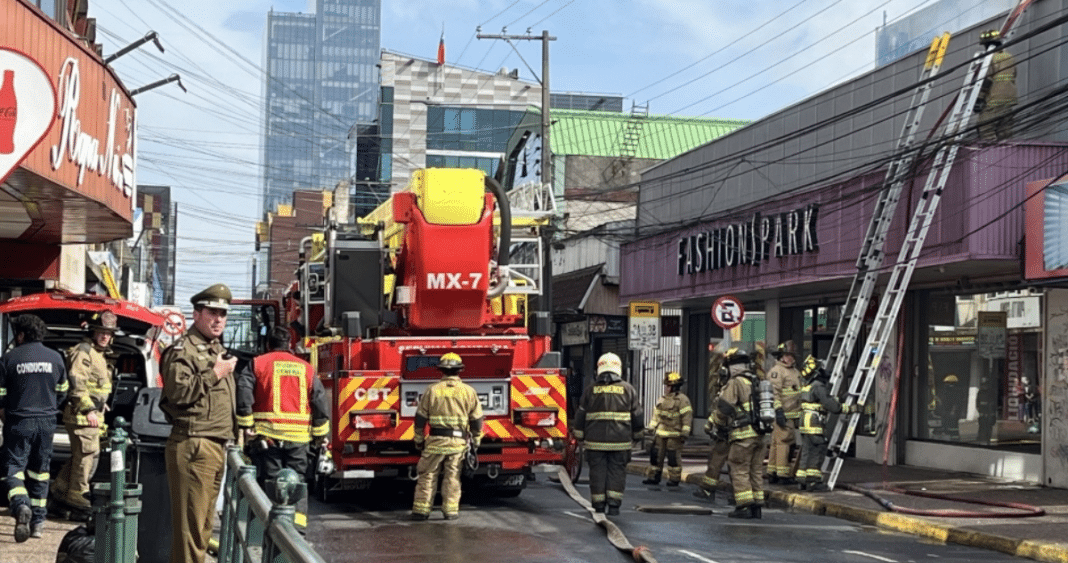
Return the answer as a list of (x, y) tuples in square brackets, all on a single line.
[(901, 273)]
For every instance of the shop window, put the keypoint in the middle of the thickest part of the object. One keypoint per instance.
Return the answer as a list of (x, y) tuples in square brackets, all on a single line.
[(983, 373)]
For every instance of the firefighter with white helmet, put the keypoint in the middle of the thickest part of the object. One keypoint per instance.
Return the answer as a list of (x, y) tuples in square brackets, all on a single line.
[(670, 425), (454, 414), (816, 403), (746, 457), (609, 419)]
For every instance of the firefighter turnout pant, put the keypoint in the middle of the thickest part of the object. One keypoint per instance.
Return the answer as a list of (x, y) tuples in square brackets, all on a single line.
[(669, 450), (717, 458), (24, 458), (813, 450), (746, 460), (782, 439), (194, 474), (608, 476), (430, 466), (73, 480), (279, 455)]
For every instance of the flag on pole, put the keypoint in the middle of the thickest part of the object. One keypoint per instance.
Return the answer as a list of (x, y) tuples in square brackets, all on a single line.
[(441, 48)]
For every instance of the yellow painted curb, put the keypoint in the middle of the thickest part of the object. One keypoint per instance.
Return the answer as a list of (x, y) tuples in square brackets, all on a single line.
[(1042, 551)]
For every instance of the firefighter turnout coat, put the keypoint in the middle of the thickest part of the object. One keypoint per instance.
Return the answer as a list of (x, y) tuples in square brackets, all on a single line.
[(673, 416), (282, 399), (90, 383), (609, 415)]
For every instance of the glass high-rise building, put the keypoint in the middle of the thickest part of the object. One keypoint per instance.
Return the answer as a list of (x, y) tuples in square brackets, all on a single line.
[(321, 84)]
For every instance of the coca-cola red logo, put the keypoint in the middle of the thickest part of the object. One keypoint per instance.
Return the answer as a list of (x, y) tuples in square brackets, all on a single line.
[(9, 113)]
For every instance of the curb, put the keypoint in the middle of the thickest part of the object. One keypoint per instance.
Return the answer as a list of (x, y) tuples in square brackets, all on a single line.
[(1045, 551)]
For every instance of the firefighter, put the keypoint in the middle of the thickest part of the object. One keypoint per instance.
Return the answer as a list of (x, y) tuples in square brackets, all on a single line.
[(997, 96), (33, 383), (83, 413), (746, 456), (716, 428), (816, 402), (199, 402), (455, 415), (670, 425), (609, 420), (786, 381), (281, 407)]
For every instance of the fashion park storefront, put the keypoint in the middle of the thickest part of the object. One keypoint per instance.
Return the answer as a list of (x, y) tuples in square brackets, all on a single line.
[(794, 258), (67, 152)]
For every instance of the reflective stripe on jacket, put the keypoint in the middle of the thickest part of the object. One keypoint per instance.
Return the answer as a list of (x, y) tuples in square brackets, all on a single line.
[(673, 416), (449, 403), (738, 392), (816, 401), (787, 384), (609, 415), (287, 401), (90, 383)]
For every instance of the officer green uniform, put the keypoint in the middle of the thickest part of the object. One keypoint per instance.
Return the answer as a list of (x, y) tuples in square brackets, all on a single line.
[(609, 419), (671, 424), (90, 386), (454, 413), (746, 455), (786, 381), (201, 409)]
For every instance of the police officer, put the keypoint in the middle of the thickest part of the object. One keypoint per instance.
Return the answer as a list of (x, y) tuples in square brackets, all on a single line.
[(609, 419), (816, 402), (33, 383), (786, 381), (83, 413), (454, 413), (746, 456), (199, 401), (670, 425), (269, 409)]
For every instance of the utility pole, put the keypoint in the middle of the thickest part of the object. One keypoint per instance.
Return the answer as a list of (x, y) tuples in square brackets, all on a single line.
[(546, 156)]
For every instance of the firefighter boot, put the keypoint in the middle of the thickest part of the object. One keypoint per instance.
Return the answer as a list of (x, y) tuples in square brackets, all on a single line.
[(598, 507), (652, 478), (418, 516), (612, 510), (755, 511), (744, 511), (23, 514), (37, 530)]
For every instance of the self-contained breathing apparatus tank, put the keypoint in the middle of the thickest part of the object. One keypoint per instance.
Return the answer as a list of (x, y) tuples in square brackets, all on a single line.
[(767, 402)]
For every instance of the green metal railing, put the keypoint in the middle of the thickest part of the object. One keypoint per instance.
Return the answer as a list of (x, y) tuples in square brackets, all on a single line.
[(116, 505), (253, 527)]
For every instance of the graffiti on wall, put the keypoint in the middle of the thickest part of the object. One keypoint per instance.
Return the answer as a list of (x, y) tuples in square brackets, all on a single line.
[(1055, 409)]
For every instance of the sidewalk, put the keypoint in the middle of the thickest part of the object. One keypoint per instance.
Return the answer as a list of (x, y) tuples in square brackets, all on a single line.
[(34, 550), (1042, 538)]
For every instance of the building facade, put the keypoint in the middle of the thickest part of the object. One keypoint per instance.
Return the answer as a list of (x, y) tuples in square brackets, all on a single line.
[(976, 355), (321, 82)]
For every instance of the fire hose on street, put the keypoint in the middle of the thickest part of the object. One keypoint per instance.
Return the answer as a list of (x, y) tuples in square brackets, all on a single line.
[(615, 535)]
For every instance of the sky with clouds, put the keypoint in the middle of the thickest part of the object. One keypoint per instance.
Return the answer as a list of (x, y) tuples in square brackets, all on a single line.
[(714, 58)]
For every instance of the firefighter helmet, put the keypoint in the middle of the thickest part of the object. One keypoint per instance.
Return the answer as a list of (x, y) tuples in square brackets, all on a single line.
[(673, 378), (812, 369), (990, 37), (735, 356), (610, 363), (784, 349), (105, 322), (450, 361), (950, 379)]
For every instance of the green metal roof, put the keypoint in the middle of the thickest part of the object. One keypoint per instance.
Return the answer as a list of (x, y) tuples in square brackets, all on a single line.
[(600, 133)]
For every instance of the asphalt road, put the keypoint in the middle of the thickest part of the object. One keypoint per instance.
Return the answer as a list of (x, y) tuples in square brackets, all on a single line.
[(545, 525)]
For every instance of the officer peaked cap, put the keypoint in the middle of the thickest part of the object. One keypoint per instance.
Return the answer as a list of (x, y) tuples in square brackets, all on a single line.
[(217, 296)]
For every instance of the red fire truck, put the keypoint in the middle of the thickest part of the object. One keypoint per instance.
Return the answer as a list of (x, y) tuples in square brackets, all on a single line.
[(443, 266)]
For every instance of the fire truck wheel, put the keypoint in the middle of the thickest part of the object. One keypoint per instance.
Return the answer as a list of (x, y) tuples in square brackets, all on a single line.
[(573, 459)]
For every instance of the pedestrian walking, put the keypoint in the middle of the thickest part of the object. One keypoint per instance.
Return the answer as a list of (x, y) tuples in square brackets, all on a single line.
[(454, 414), (609, 420), (670, 425), (199, 402), (786, 382), (738, 406), (816, 403), (83, 413), (281, 406), (33, 383)]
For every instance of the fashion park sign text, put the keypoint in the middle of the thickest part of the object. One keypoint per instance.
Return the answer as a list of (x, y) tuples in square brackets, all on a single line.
[(750, 242)]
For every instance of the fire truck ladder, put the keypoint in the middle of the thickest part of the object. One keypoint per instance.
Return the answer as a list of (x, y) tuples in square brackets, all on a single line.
[(871, 254), (533, 207), (901, 274)]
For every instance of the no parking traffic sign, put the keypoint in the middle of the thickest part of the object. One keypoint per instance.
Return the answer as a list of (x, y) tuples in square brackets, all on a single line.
[(728, 312)]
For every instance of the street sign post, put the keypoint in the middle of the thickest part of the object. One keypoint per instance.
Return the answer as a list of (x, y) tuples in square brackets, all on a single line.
[(644, 325), (728, 312)]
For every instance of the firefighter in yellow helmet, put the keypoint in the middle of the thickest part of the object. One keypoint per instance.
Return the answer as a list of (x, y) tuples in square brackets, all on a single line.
[(670, 425), (997, 96), (816, 403), (786, 382), (83, 413), (717, 430), (454, 413), (746, 457), (608, 421)]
